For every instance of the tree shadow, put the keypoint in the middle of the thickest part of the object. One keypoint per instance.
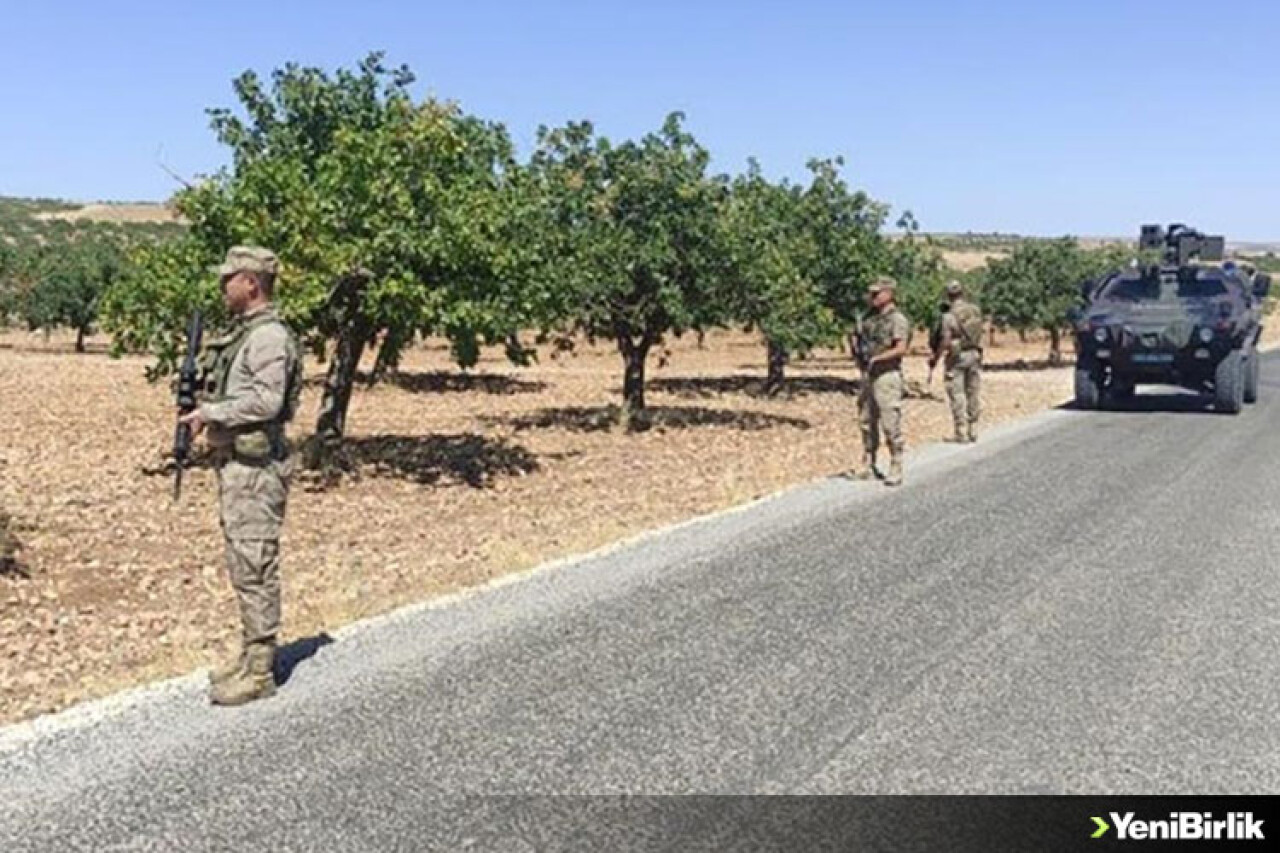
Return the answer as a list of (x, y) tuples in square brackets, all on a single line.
[(10, 547), (1023, 365), (166, 466), (90, 348), (289, 656), (430, 460), (447, 382), (820, 364), (10, 565), (1153, 402), (605, 418), (703, 387)]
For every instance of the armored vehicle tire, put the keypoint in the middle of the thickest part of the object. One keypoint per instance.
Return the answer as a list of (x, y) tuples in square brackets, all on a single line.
[(1123, 389), (1228, 383), (1087, 392), (1251, 370)]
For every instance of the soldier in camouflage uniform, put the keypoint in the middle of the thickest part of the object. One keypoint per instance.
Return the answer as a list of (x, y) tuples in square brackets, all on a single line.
[(885, 335), (252, 381), (960, 347)]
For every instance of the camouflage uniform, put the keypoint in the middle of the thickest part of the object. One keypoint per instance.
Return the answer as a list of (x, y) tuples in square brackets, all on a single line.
[(881, 391), (962, 326), (252, 383)]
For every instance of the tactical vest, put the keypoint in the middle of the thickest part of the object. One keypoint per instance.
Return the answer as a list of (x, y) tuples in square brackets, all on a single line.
[(969, 320), (258, 440), (879, 334)]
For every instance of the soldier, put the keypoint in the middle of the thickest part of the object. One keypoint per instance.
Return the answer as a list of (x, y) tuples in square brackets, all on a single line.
[(252, 382), (960, 347), (884, 338)]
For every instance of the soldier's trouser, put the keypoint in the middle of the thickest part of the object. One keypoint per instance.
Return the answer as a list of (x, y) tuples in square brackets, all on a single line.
[(880, 408), (964, 388), (251, 502)]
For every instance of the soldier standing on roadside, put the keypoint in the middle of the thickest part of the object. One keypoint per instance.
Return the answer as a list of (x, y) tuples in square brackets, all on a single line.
[(884, 337), (253, 379), (961, 348)]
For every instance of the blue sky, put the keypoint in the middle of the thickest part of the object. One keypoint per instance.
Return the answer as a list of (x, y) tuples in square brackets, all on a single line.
[(1086, 118)]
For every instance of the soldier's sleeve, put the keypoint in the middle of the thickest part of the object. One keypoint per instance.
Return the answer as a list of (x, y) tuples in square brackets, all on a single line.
[(900, 328), (950, 325), (266, 359)]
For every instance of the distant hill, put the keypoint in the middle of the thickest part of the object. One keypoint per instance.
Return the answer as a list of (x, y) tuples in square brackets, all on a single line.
[(26, 222), (966, 251), (121, 212)]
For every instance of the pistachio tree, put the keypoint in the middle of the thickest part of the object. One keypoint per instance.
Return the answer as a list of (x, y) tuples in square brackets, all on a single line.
[(389, 215)]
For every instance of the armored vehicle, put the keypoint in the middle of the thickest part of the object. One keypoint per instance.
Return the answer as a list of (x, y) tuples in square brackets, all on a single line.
[(1189, 319)]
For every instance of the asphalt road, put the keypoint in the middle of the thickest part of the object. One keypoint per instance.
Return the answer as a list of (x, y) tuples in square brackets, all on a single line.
[(1083, 603)]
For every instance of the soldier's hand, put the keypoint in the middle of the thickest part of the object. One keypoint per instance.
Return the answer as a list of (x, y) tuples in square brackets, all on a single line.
[(194, 420)]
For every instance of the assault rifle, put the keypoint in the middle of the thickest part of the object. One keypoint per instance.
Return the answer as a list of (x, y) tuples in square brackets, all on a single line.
[(860, 344), (188, 381)]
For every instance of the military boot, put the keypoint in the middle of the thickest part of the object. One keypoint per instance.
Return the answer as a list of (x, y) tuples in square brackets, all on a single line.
[(895, 472), (960, 437), (254, 681), (973, 434), (867, 468), (228, 670)]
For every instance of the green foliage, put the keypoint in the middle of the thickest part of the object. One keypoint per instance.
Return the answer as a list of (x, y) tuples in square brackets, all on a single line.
[(973, 241), (10, 293), (801, 258), (916, 262), (348, 174), (53, 272), (638, 251), (72, 278), (146, 308), (774, 261), (1270, 262), (1036, 286), (845, 225), (391, 218)]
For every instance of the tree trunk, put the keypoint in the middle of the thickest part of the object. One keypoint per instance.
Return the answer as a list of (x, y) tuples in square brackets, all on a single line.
[(1055, 346), (777, 368), (80, 339), (338, 383), (388, 357), (1022, 335), (353, 331), (991, 336), (634, 354)]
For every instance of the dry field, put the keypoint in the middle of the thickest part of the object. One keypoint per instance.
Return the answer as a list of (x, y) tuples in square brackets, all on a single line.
[(119, 212), (966, 260), (458, 478)]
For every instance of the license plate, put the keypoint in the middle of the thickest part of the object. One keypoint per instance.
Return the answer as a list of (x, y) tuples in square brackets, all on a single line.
[(1152, 358)]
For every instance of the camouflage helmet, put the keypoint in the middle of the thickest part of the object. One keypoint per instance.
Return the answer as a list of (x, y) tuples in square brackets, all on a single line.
[(883, 282), (253, 259), (955, 288)]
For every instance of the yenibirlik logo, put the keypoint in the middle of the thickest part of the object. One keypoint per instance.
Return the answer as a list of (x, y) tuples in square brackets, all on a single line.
[(1183, 826)]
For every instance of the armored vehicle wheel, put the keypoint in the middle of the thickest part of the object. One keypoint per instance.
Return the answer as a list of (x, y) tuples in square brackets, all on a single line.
[(1122, 389), (1087, 392), (1251, 371), (1228, 383)]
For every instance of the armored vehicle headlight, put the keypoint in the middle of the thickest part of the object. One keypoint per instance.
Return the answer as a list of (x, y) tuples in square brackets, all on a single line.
[(1100, 334), (1206, 335)]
